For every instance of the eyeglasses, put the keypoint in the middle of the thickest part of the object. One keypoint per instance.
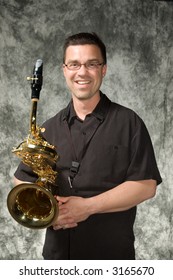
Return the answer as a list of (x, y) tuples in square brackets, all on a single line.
[(90, 65)]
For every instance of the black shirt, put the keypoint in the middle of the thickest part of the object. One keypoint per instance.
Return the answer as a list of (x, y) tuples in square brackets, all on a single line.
[(110, 146)]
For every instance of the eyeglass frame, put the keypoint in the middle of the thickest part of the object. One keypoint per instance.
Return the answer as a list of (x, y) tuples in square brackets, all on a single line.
[(85, 64)]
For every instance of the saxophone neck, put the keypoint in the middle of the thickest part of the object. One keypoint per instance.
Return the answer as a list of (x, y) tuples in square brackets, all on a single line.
[(33, 125)]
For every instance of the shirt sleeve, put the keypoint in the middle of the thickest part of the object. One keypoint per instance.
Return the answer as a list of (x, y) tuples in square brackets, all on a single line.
[(25, 173), (143, 164)]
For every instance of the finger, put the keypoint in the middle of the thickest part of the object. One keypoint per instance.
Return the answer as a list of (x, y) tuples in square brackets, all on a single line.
[(71, 225), (57, 227), (65, 220), (62, 199), (63, 210), (59, 203), (65, 226)]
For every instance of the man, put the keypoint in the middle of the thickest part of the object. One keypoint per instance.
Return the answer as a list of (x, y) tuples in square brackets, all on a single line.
[(106, 166)]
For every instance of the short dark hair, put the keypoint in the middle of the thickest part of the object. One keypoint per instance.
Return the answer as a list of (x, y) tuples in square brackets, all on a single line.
[(85, 38)]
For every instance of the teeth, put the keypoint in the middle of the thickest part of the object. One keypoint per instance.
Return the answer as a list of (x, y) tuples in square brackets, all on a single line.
[(83, 82)]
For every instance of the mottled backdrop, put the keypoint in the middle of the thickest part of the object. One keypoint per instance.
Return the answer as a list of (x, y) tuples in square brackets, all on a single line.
[(139, 39)]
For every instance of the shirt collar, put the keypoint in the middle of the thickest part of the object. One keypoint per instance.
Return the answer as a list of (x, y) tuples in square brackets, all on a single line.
[(99, 112), (102, 107)]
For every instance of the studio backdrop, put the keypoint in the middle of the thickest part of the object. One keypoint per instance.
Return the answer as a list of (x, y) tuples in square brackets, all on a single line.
[(139, 39)]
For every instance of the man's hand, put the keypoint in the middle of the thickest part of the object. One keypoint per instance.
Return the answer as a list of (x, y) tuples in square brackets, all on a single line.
[(72, 210)]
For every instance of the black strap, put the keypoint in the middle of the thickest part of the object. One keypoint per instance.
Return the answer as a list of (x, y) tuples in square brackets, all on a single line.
[(75, 164)]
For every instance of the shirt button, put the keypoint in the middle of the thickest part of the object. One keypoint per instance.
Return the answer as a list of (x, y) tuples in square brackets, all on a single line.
[(84, 133)]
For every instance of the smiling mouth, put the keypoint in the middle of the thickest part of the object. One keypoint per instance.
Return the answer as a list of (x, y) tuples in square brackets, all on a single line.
[(83, 82)]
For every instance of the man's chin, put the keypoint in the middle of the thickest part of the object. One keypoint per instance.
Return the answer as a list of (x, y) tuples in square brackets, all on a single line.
[(83, 95)]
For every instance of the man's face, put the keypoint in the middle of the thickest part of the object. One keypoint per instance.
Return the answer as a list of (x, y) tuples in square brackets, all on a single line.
[(84, 83)]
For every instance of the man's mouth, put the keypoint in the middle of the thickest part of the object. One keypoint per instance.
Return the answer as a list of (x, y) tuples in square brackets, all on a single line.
[(82, 82)]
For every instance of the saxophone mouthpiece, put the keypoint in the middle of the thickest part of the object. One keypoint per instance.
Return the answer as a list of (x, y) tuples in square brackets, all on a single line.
[(36, 79)]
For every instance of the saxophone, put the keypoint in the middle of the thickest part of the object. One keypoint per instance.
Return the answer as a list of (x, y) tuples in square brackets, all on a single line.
[(33, 205)]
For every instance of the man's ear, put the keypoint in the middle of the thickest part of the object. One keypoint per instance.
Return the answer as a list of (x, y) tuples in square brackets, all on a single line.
[(63, 69), (104, 70)]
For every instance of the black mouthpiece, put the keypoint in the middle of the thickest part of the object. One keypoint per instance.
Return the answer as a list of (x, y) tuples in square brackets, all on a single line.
[(37, 79)]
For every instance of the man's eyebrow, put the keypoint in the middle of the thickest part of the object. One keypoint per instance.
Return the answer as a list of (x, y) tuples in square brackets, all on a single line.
[(73, 60), (93, 60), (89, 60)]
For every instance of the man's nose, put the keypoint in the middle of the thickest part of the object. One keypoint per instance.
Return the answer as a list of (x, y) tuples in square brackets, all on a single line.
[(82, 69)]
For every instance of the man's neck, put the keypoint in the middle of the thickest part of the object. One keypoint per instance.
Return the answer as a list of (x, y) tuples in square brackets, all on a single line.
[(85, 107)]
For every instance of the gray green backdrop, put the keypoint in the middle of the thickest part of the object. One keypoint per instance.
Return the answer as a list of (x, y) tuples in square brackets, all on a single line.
[(139, 39)]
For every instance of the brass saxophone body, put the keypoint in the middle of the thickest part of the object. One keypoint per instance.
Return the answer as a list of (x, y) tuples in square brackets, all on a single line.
[(34, 205)]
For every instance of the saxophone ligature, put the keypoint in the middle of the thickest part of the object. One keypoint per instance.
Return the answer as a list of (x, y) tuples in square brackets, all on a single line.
[(33, 205)]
